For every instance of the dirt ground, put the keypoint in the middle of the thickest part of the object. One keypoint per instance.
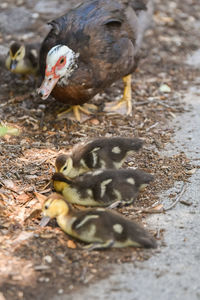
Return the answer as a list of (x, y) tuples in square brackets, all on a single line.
[(35, 262)]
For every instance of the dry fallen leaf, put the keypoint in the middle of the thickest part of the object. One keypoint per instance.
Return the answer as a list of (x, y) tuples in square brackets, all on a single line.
[(23, 198), (94, 121), (161, 19), (47, 235), (41, 198), (3, 197), (71, 244), (35, 213), (158, 207), (191, 172)]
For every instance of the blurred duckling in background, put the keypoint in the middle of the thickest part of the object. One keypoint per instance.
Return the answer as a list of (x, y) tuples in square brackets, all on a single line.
[(102, 153), (102, 187), (99, 227), (23, 59)]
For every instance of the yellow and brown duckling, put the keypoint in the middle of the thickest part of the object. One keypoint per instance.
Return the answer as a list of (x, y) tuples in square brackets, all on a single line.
[(23, 59), (102, 187), (102, 153), (100, 228)]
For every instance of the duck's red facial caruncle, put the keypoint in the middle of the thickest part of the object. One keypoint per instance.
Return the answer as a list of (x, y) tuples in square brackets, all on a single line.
[(58, 64), (52, 75)]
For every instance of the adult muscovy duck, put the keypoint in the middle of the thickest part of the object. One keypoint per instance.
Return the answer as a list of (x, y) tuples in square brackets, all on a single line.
[(91, 47)]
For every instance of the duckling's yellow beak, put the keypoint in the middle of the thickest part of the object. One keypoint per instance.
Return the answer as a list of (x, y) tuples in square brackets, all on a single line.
[(13, 64)]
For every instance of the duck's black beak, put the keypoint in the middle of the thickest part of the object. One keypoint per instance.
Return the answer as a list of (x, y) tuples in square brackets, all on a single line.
[(44, 221), (13, 64)]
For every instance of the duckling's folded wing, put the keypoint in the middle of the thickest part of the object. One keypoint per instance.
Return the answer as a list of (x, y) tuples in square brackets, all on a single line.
[(108, 228), (105, 152), (138, 234), (87, 226), (118, 148), (126, 232)]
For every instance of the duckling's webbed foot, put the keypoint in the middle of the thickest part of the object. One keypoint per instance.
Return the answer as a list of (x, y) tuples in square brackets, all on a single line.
[(97, 246), (124, 106), (78, 113)]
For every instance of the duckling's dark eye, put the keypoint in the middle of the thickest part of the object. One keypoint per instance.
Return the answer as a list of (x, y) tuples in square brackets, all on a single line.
[(18, 53), (46, 206), (65, 168)]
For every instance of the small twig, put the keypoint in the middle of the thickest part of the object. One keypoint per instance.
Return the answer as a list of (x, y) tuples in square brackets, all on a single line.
[(154, 100), (142, 103), (152, 210), (195, 158), (182, 191), (152, 126), (15, 99), (149, 210), (163, 104), (8, 188), (185, 202), (46, 186)]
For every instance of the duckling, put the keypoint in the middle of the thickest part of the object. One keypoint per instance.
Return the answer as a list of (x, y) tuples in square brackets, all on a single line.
[(23, 59), (102, 187), (99, 227), (102, 153)]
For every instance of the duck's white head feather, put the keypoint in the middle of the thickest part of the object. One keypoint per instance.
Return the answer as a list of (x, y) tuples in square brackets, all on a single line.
[(61, 61)]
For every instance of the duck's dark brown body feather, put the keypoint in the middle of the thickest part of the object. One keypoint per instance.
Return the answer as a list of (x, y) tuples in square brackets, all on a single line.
[(106, 34)]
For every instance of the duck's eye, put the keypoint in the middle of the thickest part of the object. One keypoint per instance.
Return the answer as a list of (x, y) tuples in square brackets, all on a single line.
[(18, 53), (65, 168), (62, 61), (46, 206), (50, 79)]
